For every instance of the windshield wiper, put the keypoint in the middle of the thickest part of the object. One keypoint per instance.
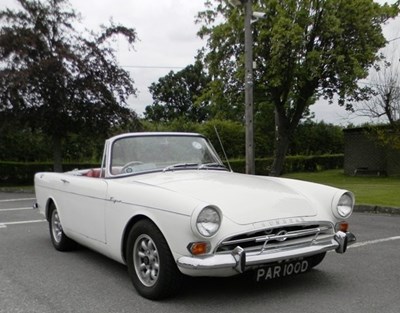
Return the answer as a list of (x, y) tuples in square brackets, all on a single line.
[(196, 165), (212, 165), (179, 165)]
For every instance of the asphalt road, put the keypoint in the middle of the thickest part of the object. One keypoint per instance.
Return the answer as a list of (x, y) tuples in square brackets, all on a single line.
[(36, 278)]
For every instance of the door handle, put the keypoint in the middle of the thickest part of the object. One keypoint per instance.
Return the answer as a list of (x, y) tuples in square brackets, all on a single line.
[(64, 181)]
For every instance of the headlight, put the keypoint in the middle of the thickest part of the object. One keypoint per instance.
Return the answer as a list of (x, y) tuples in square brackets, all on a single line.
[(208, 221), (344, 206)]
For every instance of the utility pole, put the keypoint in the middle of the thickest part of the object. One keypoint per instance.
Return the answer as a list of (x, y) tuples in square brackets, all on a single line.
[(249, 109), (248, 83)]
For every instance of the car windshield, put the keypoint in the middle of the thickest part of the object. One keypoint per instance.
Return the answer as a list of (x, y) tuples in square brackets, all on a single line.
[(138, 154)]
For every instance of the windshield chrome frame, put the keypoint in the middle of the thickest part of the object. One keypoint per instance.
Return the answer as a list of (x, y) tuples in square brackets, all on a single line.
[(107, 157)]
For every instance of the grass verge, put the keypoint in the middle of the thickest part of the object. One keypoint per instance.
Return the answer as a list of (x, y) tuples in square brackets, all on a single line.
[(382, 191), (20, 189)]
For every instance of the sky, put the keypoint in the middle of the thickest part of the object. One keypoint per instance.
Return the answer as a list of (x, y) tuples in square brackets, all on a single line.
[(168, 41), (167, 37)]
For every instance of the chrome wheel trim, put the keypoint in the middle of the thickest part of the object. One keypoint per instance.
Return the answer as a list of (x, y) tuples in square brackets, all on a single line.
[(146, 260), (56, 227)]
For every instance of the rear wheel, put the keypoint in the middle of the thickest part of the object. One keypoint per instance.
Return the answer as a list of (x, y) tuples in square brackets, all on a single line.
[(60, 241), (151, 266)]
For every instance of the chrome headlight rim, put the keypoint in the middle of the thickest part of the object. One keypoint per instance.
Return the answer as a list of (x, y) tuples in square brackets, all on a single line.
[(200, 217), (343, 204)]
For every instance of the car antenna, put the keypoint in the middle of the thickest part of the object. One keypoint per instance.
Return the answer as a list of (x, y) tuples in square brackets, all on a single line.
[(222, 147)]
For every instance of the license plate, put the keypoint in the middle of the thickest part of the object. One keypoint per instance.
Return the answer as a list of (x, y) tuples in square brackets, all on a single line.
[(282, 269)]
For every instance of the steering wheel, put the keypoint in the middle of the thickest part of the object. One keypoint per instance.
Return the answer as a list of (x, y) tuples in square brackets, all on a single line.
[(127, 168)]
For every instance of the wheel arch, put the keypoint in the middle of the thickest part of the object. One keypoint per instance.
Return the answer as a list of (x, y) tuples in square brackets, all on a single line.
[(168, 224), (128, 228), (49, 202)]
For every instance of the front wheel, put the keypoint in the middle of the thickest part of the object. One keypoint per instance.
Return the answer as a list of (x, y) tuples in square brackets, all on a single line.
[(151, 266), (60, 241)]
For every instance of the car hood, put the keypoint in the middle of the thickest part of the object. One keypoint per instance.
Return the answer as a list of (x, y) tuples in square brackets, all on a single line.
[(242, 198)]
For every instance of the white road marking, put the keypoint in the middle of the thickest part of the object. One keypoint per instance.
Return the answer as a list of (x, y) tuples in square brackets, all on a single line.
[(15, 200), (4, 225), (372, 242), (17, 209)]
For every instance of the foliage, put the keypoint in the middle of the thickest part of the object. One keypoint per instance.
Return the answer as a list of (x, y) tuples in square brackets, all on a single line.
[(389, 137), (60, 81), (22, 173), (313, 138), (177, 95), (303, 49), (23, 145), (297, 163), (384, 135), (230, 132), (176, 125), (310, 138)]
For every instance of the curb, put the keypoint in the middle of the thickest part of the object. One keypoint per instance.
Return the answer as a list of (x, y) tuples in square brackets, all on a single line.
[(376, 209)]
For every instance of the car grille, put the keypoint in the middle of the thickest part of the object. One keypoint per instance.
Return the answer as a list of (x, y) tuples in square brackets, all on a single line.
[(288, 237)]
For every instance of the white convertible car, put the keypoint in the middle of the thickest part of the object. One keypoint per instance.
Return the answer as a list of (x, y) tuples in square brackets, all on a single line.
[(166, 206)]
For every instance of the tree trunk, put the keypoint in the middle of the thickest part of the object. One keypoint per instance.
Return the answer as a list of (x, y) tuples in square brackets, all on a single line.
[(282, 141), (286, 123), (281, 146), (57, 158)]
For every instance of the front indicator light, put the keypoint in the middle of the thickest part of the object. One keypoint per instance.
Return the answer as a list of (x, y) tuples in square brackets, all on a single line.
[(197, 248), (342, 226)]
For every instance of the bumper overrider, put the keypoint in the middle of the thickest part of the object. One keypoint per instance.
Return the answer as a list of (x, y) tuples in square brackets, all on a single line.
[(238, 260)]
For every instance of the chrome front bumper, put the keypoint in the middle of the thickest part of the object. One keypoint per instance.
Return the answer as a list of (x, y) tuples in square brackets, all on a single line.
[(239, 260)]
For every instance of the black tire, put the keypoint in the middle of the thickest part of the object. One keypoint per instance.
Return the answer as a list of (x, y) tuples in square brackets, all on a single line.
[(316, 259), (152, 269), (59, 240)]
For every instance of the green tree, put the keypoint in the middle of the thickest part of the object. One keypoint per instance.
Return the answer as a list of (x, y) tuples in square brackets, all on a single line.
[(304, 50), (177, 95), (313, 138), (231, 134), (56, 79), (264, 129), (19, 143)]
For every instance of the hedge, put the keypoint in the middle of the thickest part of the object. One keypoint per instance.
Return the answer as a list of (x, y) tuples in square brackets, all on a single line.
[(18, 173), (293, 164)]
